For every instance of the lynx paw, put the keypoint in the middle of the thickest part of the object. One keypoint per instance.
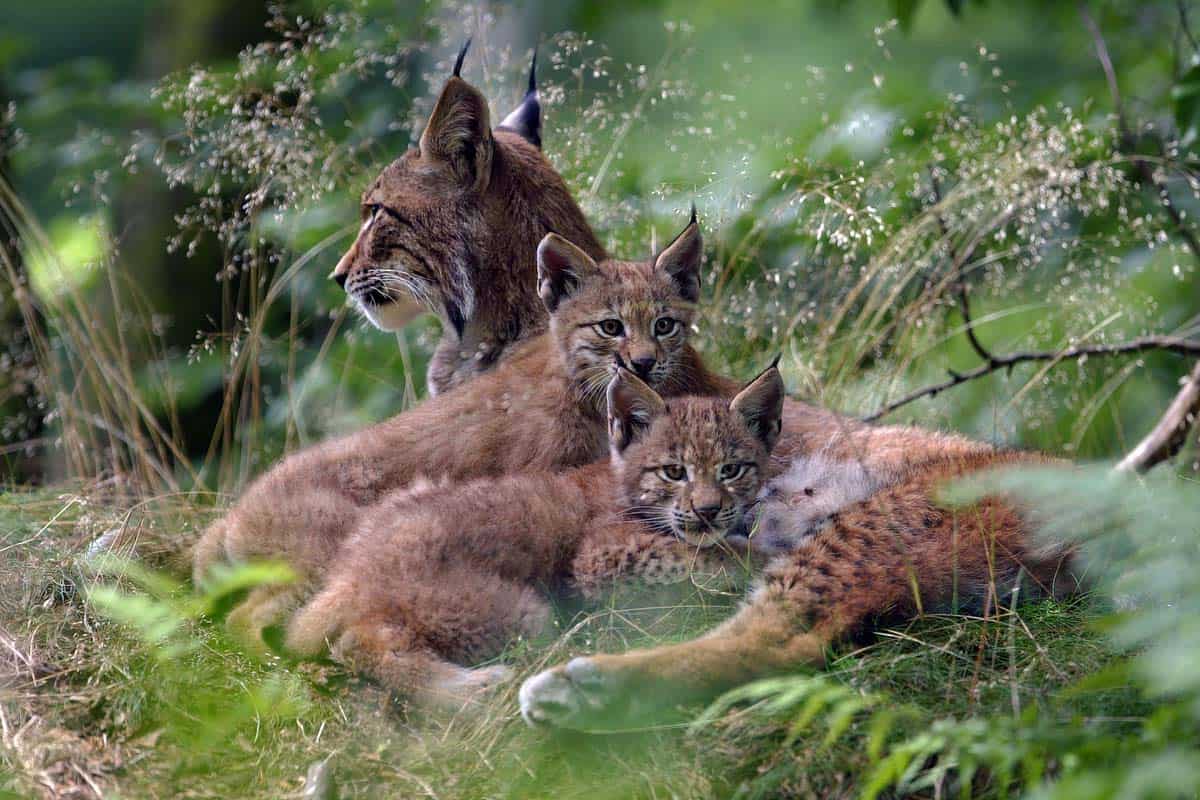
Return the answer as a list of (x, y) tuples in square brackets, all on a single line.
[(467, 686), (579, 695)]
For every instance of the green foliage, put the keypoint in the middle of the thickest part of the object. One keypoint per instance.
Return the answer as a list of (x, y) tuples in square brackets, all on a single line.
[(1185, 95), (1141, 540), (163, 614)]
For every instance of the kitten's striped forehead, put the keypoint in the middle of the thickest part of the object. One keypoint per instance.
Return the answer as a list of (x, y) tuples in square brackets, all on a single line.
[(639, 282), (701, 431)]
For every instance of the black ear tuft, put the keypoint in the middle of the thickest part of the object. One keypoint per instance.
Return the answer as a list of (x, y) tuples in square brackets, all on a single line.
[(462, 53), (526, 119), (692, 221)]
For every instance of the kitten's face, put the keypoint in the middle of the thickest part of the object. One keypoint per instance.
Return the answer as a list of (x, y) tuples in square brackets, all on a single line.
[(693, 467), (638, 312)]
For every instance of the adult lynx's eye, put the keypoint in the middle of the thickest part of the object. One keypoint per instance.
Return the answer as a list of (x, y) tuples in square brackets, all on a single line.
[(665, 326), (673, 472), (610, 327), (731, 472)]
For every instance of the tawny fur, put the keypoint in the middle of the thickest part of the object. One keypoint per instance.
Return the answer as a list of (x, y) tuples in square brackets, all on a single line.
[(895, 554), (439, 238), (425, 588), (541, 409)]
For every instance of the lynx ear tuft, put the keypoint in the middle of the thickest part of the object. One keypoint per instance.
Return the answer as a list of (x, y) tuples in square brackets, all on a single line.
[(462, 53), (459, 133), (760, 405), (681, 259), (561, 269), (632, 407), (526, 119)]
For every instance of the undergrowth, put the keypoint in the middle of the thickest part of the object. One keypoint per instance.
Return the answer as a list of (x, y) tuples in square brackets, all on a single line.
[(114, 679)]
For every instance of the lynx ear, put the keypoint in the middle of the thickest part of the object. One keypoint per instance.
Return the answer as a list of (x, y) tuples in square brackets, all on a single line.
[(760, 404), (561, 268), (681, 259), (632, 406), (526, 119), (459, 132)]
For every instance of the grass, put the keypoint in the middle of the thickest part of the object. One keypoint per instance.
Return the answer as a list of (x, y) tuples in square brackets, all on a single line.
[(90, 707)]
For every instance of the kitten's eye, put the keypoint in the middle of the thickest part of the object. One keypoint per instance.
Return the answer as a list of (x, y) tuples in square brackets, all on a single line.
[(731, 472), (809, 491), (611, 328), (673, 472), (370, 210), (665, 326)]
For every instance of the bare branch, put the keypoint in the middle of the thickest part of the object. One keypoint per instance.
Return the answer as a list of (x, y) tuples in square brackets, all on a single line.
[(1145, 174), (1173, 344), (958, 261), (1168, 436)]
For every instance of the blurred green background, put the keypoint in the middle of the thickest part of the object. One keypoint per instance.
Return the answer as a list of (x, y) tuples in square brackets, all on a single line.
[(176, 160)]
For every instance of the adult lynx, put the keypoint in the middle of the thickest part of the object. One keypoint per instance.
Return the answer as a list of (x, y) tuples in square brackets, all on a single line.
[(452, 226)]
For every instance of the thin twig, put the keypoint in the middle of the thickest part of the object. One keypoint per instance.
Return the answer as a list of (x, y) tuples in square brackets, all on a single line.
[(1110, 74), (1185, 26), (1168, 436), (959, 260), (1173, 344)]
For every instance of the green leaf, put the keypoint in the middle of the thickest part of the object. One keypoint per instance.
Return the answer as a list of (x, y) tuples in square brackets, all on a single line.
[(224, 580), (904, 11), (1185, 97)]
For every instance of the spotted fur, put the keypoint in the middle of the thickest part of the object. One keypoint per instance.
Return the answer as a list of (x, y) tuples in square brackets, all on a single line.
[(895, 554), (428, 586), (541, 409)]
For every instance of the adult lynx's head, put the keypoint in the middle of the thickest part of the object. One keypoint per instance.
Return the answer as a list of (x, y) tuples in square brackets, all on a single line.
[(692, 466), (634, 312), (451, 227)]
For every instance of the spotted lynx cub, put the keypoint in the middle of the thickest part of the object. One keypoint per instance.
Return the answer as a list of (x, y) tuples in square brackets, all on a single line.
[(428, 586), (543, 408), (896, 553)]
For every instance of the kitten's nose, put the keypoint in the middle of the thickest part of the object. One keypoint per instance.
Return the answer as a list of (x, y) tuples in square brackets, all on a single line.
[(707, 513), (341, 279), (642, 366)]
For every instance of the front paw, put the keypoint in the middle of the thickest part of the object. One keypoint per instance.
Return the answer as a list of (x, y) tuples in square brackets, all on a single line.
[(580, 695)]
